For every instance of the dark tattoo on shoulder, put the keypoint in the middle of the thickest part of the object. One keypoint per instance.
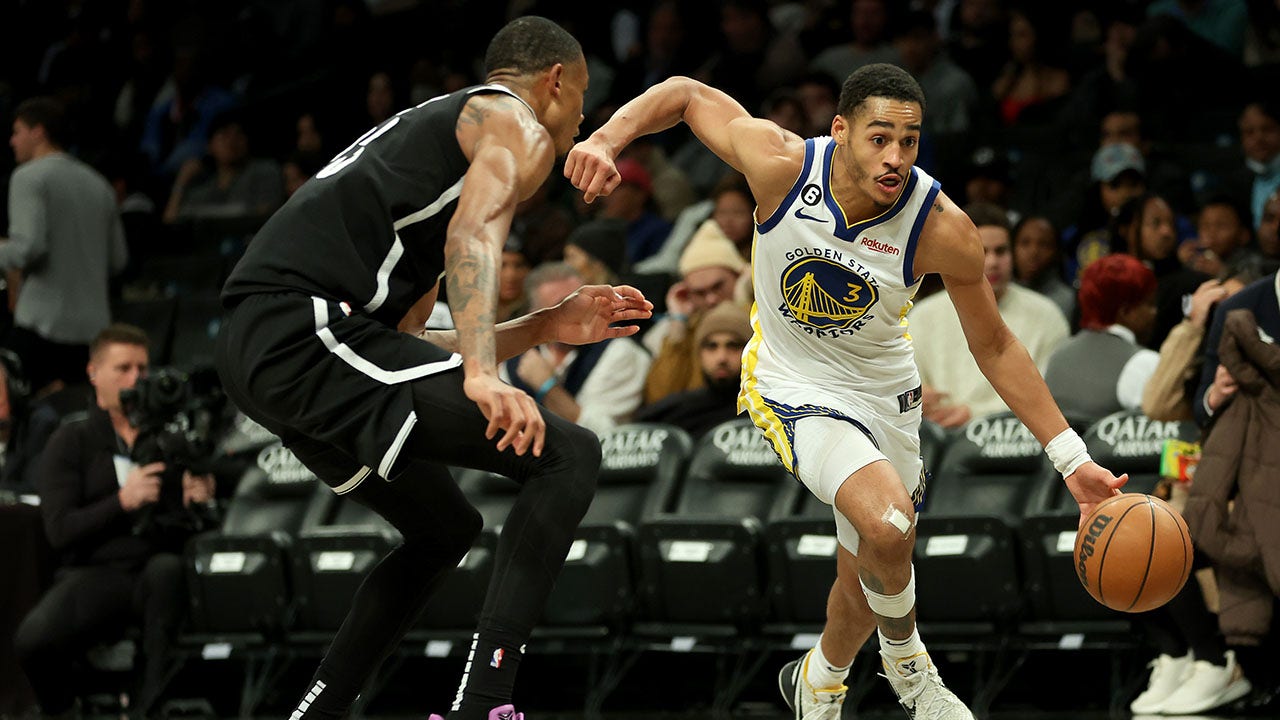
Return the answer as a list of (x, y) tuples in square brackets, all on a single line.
[(937, 206), (473, 113)]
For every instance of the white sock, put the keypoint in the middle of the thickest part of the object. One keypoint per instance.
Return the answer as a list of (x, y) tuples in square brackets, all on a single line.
[(903, 654), (821, 673)]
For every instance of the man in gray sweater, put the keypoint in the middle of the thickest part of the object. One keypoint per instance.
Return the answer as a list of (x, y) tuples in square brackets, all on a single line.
[(66, 240)]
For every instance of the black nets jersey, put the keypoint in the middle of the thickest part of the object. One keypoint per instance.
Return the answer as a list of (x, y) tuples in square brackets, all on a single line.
[(369, 229)]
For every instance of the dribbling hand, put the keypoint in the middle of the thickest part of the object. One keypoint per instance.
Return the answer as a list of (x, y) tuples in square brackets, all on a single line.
[(510, 411), (1090, 484), (590, 168)]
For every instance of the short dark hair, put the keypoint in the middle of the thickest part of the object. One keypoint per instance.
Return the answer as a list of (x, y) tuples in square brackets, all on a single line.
[(988, 215), (878, 80), (530, 44), (48, 113), (1229, 202), (119, 334)]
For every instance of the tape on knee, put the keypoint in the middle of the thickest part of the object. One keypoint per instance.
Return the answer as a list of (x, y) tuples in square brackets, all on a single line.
[(896, 605)]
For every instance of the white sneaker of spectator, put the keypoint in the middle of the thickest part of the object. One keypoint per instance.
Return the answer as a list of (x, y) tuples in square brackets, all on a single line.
[(1208, 686), (1167, 675)]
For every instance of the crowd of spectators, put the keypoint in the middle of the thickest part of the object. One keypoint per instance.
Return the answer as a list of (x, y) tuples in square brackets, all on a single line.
[(1121, 160)]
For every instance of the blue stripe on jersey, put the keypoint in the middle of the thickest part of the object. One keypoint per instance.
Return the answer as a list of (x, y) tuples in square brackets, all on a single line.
[(849, 233), (791, 415), (908, 258), (777, 215)]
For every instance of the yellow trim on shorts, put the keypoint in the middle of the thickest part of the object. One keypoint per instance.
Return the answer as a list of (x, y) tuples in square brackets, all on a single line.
[(750, 399)]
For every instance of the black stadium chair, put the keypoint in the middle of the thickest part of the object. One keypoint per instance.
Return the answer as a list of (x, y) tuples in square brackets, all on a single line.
[(331, 559), (640, 467), (195, 330), (238, 577), (966, 550), (701, 563)]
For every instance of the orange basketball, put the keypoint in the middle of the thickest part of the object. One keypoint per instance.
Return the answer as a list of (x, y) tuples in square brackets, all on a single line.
[(1133, 553)]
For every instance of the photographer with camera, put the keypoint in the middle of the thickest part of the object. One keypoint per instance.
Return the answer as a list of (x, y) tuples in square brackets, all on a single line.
[(115, 571)]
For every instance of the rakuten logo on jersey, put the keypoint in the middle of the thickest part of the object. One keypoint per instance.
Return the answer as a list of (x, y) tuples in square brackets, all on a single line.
[(879, 247)]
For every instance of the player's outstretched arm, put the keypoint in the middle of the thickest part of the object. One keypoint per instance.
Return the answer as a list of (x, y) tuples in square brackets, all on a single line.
[(587, 316), (757, 148), (952, 247)]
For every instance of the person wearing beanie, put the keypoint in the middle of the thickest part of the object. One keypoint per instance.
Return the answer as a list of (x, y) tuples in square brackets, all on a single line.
[(597, 249), (709, 268), (717, 352)]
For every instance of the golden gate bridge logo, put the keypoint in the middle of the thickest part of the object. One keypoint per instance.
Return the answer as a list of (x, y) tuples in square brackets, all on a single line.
[(825, 294)]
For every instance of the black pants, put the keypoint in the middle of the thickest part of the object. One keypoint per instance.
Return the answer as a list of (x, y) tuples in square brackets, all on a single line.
[(89, 605)]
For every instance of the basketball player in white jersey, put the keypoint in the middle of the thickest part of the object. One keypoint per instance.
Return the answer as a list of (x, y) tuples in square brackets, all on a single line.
[(845, 228)]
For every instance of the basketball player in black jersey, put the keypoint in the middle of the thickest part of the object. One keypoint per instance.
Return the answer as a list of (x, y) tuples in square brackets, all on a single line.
[(310, 349)]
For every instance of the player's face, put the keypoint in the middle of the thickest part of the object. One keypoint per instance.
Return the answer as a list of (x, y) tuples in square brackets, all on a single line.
[(883, 139), (564, 115)]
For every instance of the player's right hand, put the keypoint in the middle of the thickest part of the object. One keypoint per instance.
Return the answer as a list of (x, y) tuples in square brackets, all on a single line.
[(141, 486), (590, 168), (510, 411)]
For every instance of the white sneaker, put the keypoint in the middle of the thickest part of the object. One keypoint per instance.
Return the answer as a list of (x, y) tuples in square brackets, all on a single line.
[(919, 688), (1167, 675), (1208, 686), (805, 701)]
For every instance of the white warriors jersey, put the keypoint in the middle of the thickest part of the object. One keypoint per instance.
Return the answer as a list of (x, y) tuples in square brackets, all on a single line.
[(831, 297)]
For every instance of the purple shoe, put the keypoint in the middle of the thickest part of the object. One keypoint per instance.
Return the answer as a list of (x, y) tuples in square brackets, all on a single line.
[(502, 712)]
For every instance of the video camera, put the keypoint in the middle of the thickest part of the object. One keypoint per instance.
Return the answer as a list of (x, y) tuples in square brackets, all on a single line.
[(179, 418)]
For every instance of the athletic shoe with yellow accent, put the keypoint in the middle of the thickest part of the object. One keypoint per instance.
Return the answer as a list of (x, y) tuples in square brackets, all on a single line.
[(804, 700), (919, 688)]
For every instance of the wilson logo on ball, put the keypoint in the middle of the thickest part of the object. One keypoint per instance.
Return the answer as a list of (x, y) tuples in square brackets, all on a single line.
[(1087, 546)]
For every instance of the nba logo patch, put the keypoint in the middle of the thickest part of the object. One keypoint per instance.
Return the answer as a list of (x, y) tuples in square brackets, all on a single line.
[(496, 660)]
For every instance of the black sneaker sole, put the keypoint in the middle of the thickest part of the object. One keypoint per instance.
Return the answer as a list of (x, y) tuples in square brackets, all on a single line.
[(789, 684)]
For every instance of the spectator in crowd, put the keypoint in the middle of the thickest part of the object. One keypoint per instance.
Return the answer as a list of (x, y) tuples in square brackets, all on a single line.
[(1108, 85), (978, 39), (952, 96), (1103, 368), (1269, 228), (1260, 139), (709, 269), (632, 203), (116, 570), (717, 345), (1223, 237), (986, 178), (818, 92), (66, 239), (299, 168), (1164, 174), (1146, 227), (1217, 386), (597, 251), (542, 224), (784, 109), (309, 138), (1037, 262), (515, 270), (1169, 391), (596, 386), (379, 99), (1029, 79), (954, 388), (666, 51), (755, 59), (237, 187), (178, 126), (869, 42), (17, 453), (734, 211), (1119, 173), (671, 189)]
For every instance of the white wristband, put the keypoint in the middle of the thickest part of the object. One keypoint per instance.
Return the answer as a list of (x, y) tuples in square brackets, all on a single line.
[(1067, 452)]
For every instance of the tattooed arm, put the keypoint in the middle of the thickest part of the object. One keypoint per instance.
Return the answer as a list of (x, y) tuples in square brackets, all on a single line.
[(511, 155)]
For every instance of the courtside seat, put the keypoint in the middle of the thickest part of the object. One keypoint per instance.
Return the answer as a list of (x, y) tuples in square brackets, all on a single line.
[(332, 558), (965, 553), (1124, 442), (238, 577), (701, 562), (640, 467), (195, 331)]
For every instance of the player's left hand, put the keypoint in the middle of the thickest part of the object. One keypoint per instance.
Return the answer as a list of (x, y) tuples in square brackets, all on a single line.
[(1090, 484), (587, 316), (590, 168)]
